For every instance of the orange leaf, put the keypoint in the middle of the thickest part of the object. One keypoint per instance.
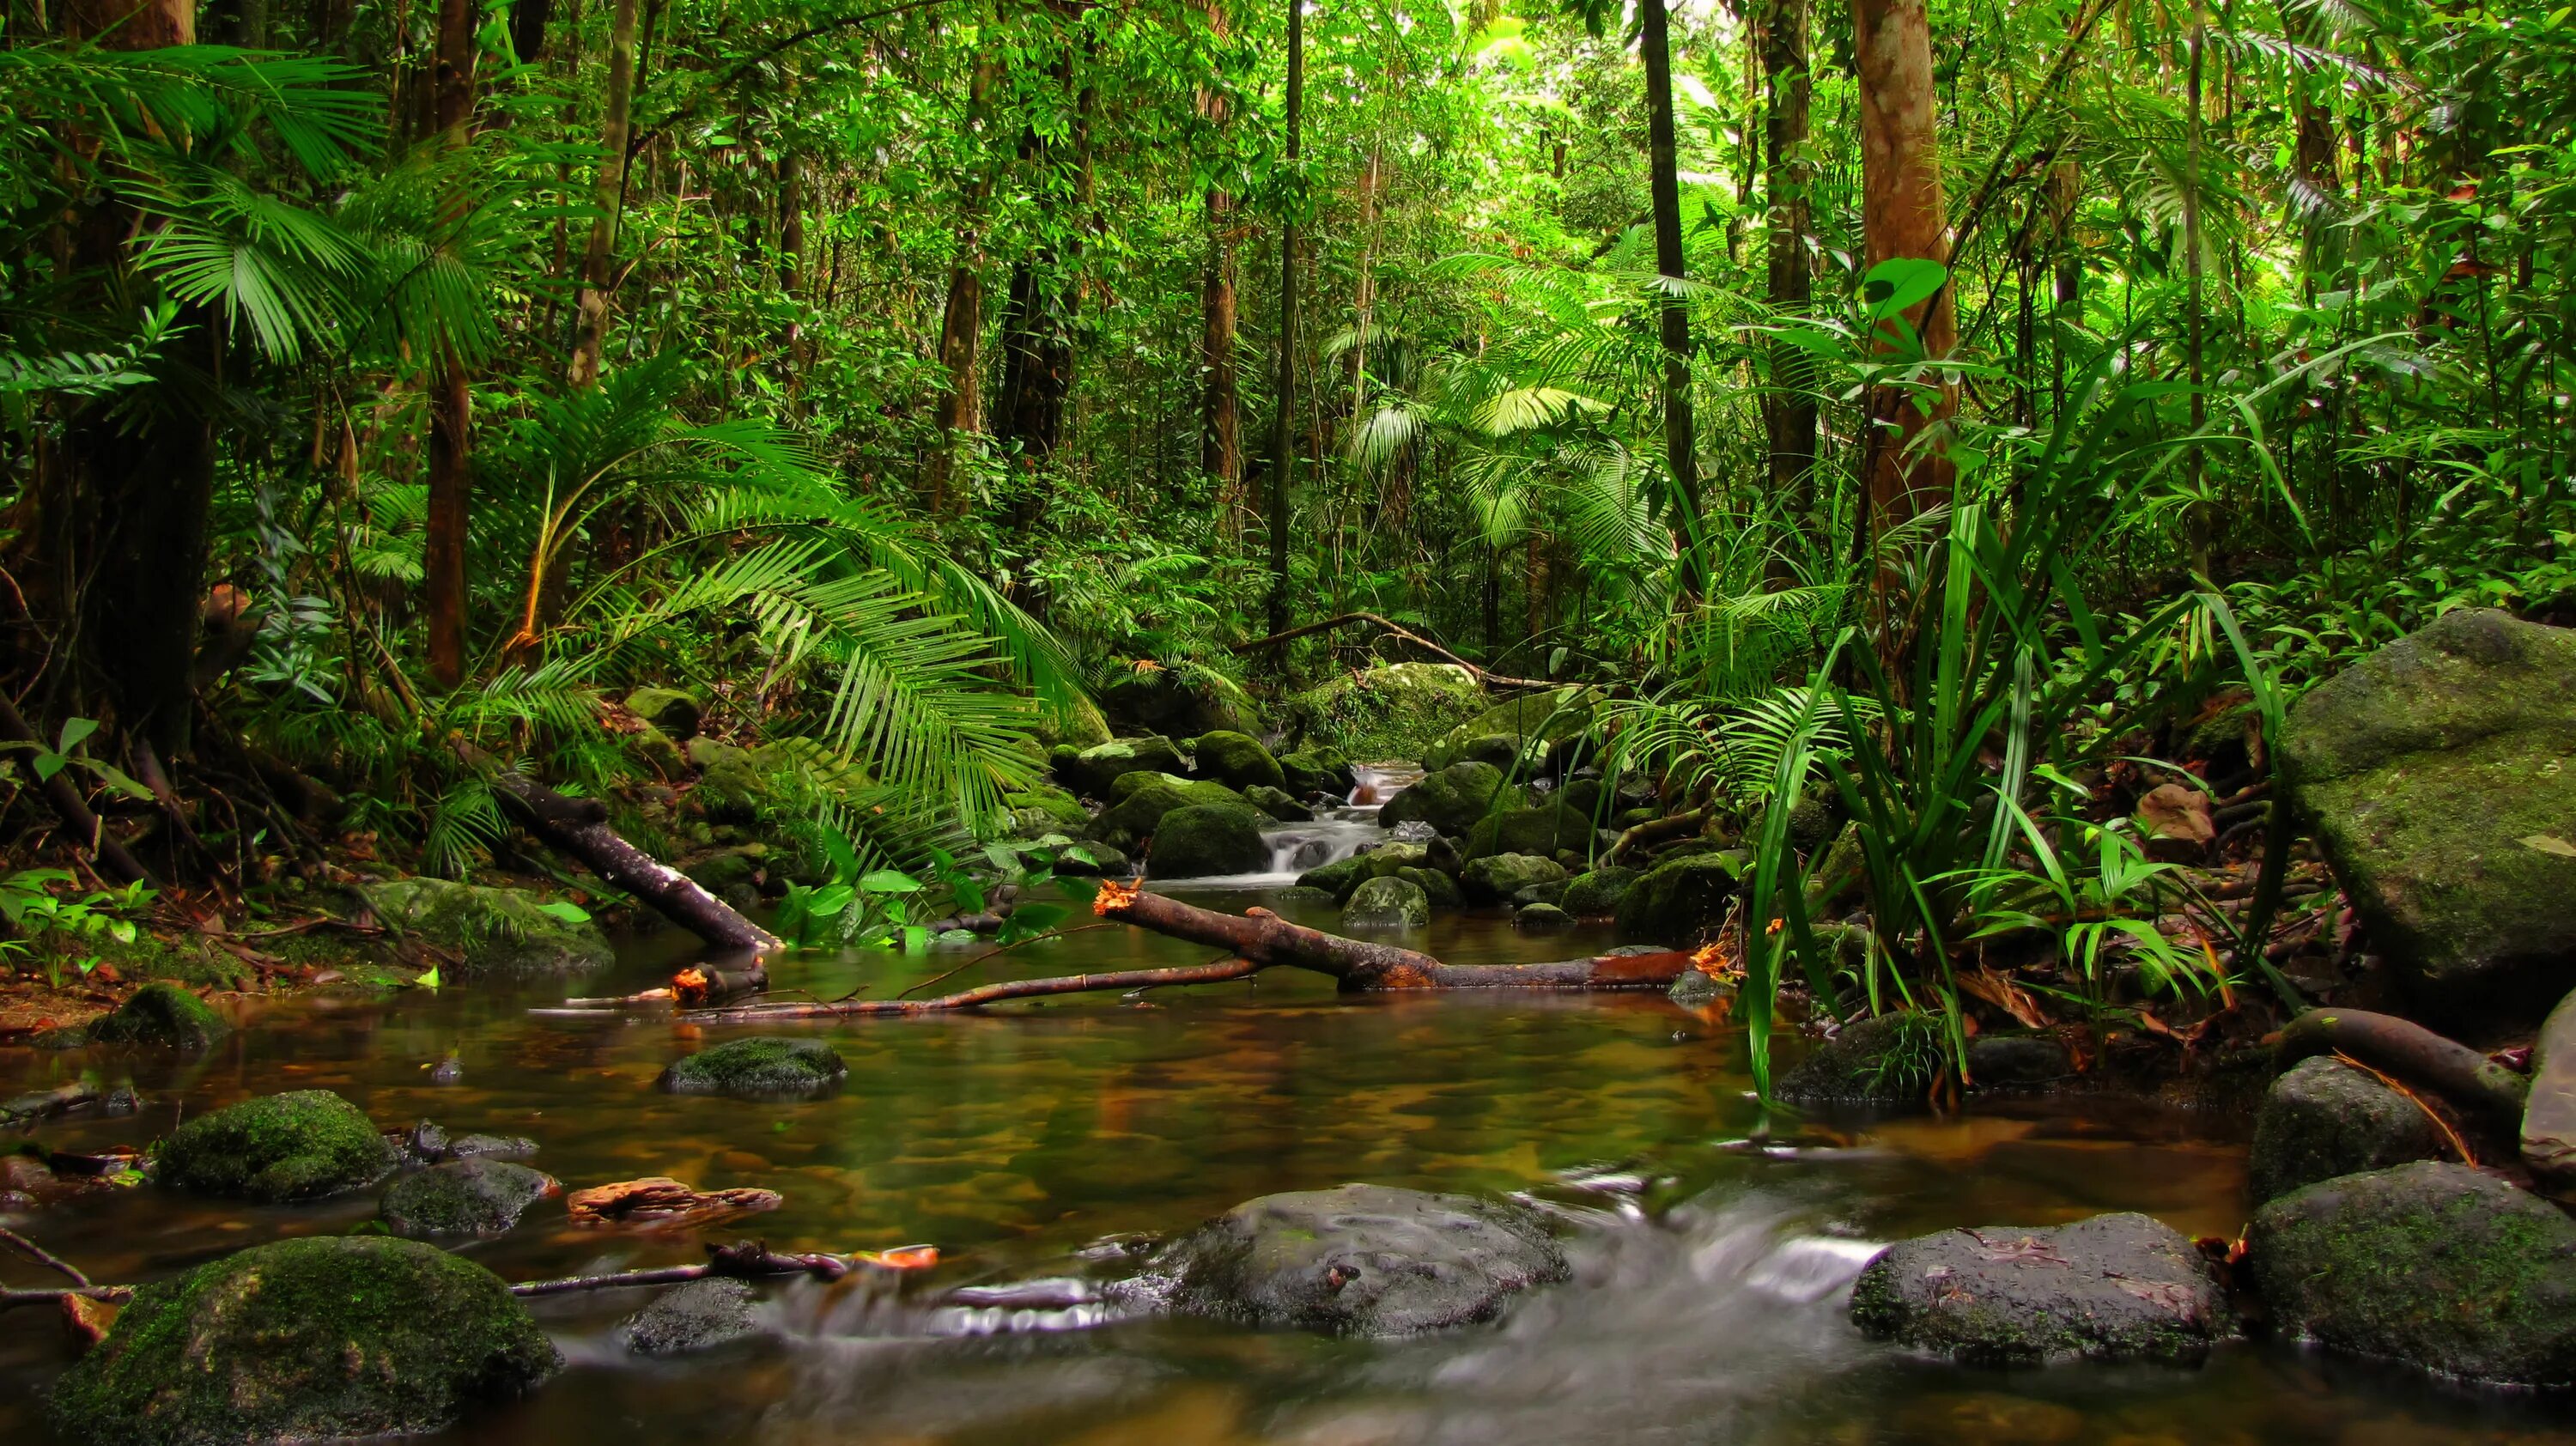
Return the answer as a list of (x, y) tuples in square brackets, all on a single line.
[(902, 1257)]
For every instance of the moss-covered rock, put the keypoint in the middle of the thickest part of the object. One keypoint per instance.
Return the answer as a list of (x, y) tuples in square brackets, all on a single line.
[(1451, 800), (1278, 803), (161, 1013), (1495, 878), (2436, 774), (1597, 894), (1545, 830), (1091, 771), (677, 714), (2437, 1265), (490, 931), (465, 1197), (1388, 859), (761, 1067), (1236, 760), (304, 1340), (1079, 724), (1536, 916), (1884, 1059), (2111, 1288), (1392, 712), (2324, 1118), (1198, 841), (734, 875), (1679, 901), (1387, 903), (296, 1146), (1317, 770), (1337, 878), (1180, 703), (1436, 886), (1527, 724), (1040, 809)]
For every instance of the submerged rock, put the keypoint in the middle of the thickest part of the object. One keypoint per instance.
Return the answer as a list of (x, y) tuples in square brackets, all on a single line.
[(1387, 903), (1236, 759), (1361, 1260), (465, 1197), (1196, 841), (691, 1317), (296, 1146), (762, 1067), (1543, 916), (2111, 1288), (304, 1340), (489, 931), (1450, 800), (1678, 902), (2433, 1264), (161, 1013), (2434, 771), (2324, 1118)]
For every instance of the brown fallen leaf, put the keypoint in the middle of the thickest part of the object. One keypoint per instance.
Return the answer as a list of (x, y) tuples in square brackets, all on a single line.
[(660, 1202)]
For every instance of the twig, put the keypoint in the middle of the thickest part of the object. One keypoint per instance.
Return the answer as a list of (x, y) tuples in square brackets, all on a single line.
[(1120, 980), (2458, 1145), (1491, 680), (980, 958), (42, 1256), (743, 1260)]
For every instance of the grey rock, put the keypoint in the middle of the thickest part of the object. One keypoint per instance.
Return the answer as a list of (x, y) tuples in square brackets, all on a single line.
[(2324, 1118), (465, 1197), (2017, 1061), (1387, 903), (2111, 1288), (2549, 1118), (691, 1317)]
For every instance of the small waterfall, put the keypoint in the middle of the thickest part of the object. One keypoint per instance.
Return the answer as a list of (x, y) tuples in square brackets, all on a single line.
[(1336, 832)]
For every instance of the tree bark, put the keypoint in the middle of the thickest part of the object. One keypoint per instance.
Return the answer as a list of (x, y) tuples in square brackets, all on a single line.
[(591, 322), (2413, 1054), (1663, 183), (1283, 429), (451, 399), (1790, 409), (1903, 214), (960, 409), (1220, 396), (1037, 327)]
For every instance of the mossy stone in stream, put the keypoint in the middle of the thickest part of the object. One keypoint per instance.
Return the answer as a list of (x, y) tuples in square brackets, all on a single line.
[(161, 1013), (490, 931), (1678, 902), (691, 1317), (2111, 1288), (1196, 841), (1317, 769), (761, 1067), (1542, 831), (2324, 1118), (2438, 1265), (465, 1197), (1597, 893), (301, 1145), (1092, 770), (1529, 722), (1450, 800), (1543, 916), (1436, 886), (1884, 1059), (1337, 878), (1387, 903), (1236, 759), (304, 1340), (1144, 799), (1278, 803), (1495, 878), (1040, 809), (1389, 712)]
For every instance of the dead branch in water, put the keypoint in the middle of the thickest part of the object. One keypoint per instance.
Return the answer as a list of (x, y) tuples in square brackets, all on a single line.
[(1121, 980)]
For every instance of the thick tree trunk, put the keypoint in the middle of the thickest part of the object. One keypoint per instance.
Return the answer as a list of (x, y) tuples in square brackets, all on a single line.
[(1037, 326), (1790, 410), (1903, 214), (1283, 428), (451, 398), (591, 322), (1663, 184)]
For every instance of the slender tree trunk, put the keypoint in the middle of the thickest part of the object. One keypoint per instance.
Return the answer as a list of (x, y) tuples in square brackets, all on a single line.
[(1663, 184), (960, 409), (591, 323), (1037, 328), (528, 20), (1220, 394), (1283, 429), (1790, 410), (1364, 299), (2065, 182), (1903, 214), (444, 583), (2203, 517)]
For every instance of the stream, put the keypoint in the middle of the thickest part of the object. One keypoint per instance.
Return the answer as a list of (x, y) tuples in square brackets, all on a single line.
[(1029, 1144)]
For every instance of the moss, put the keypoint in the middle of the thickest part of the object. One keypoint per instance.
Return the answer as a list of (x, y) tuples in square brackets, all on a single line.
[(304, 1340), (1533, 719), (1388, 713), (765, 1066), (1236, 759), (1679, 901), (1888, 1058), (1453, 799), (1041, 809), (1199, 841), (1387, 903), (1497, 877), (1314, 770), (1541, 831), (1092, 771), (1593, 894), (296, 1146), (1141, 812), (674, 713), (1337, 878), (164, 1014), (491, 931)]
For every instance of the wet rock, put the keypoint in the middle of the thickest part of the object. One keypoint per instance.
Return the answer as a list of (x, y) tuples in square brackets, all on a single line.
[(1389, 859), (1678, 902), (692, 1317), (2549, 1118), (1039, 810), (448, 1071), (1450, 800), (2018, 1061), (676, 714), (425, 1142), (2174, 821), (1884, 1059), (2434, 1264), (1543, 916), (1550, 892), (465, 1197), (1236, 760), (1597, 893), (2323, 1119), (1494, 878), (1389, 712), (491, 1147), (2434, 771), (2111, 1288), (1436, 886), (305, 1340), (1317, 770), (1091, 771), (1527, 723), (1337, 878), (302, 1145), (1698, 989), (1361, 1260), (489, 931), (162, 1014), (1277, 803), (1543, 831), (1196, 841), (1139, 814), (761, 1067), (1387, 903)]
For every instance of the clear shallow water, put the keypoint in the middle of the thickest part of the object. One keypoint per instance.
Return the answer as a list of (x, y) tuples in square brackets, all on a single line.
[(1706, 1306)]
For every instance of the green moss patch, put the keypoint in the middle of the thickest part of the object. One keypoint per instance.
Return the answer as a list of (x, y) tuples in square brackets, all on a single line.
[(762, 1067), (297, 1146), (161, 1013)]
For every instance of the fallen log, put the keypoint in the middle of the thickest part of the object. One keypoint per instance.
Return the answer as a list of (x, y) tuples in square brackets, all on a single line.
[(2411, 1053), (578, 828)]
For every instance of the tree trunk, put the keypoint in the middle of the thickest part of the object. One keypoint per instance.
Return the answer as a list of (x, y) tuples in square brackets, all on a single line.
[(591, 324), (528, 20), (2202, 522), (1790, 410), (1037, 327), (1903, 214), (1220, 397), (451, 398), (960, 409), (1664, 190), (1283, 429)]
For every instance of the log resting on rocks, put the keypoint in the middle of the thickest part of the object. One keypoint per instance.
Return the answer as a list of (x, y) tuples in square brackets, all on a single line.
[(2412, 1054)]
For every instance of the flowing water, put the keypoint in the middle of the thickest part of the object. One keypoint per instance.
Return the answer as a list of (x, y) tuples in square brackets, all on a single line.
[(1706, 1305)]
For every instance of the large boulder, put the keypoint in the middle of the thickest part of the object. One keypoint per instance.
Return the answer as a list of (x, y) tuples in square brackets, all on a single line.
[(472, 1196), (2324, 1118), (2435, 772), (1386, 713), (1236, 760), (304, 1340), (1387, 903), (1197, 841), (1598, 893), (1526, 724), (1361, 1260), (1163, 700), (1496, 878), (1090, 771), (504, 932), (1148, 796), (761, 1067), (1312, 771), (674, 714), (1039, 810), (1279, 803), (2549, 1116), (301, 1145), (2434, 1264), (1450, 800), (2111, 1288), (1542, 830), (1679, 901), (692, 1317), (163, 1014)]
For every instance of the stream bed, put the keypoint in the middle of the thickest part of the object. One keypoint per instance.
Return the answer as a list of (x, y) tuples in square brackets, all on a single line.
[(1706, 1304)]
